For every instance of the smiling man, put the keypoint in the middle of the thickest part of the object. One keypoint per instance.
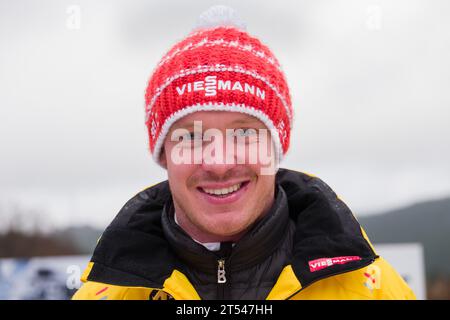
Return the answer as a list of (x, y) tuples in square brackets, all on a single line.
[(229, 223)]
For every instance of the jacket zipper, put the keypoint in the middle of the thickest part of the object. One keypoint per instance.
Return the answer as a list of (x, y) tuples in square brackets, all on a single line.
[(223, 283), (221, 279)]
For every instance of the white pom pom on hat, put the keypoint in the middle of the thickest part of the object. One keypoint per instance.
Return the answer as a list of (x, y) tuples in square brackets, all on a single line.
[(219, 15)]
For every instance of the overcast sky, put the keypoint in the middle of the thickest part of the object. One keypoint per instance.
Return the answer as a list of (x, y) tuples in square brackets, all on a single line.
[(369, 82)]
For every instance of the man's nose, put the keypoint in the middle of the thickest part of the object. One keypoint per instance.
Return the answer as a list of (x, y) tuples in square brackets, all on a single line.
[(218, 169), (218, 158)]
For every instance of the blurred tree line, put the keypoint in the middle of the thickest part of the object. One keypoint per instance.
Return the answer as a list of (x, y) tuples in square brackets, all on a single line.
[(24, 235)]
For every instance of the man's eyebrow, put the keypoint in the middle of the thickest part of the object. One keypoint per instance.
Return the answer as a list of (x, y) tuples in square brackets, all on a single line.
[(184, 125), (246, 122), (189, 125)]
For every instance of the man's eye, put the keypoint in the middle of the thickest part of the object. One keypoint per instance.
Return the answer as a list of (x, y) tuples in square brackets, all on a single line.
[(192, 136), (245, 132)]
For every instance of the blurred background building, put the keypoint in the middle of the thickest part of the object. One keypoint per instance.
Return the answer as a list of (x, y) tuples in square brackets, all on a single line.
[(369, 82)]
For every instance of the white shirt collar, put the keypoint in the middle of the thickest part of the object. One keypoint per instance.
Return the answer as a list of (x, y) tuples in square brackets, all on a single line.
[(211, 246)]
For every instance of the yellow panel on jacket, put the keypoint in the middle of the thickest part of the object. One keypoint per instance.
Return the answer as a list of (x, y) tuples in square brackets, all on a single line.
[(376, 281)]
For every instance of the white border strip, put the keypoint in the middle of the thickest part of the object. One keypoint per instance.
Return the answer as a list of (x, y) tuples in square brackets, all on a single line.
[(221, 42), (216, 68), (211, 106)]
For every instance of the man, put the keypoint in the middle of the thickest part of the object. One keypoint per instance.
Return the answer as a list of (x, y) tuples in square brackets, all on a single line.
[(228, 223)]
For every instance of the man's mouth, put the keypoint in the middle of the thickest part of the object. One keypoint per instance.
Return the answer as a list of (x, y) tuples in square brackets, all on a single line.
[(223, 192)]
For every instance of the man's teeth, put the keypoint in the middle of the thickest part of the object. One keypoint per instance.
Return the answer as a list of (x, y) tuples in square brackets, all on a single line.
[(224, 190)]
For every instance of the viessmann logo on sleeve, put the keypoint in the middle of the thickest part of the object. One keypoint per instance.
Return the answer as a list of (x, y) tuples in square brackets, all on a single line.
[(211, 85), (319, 264)]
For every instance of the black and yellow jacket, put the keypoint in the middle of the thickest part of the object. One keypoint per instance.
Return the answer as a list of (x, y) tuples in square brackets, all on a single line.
[(309, 246)]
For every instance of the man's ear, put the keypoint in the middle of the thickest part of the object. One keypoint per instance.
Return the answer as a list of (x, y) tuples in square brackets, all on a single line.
[(162, 158)]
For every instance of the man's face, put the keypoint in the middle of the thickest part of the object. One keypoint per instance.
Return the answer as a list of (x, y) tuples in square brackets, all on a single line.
[(222, 199)]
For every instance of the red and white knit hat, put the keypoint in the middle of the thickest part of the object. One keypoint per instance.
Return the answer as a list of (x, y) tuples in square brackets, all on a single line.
[(218, 67)]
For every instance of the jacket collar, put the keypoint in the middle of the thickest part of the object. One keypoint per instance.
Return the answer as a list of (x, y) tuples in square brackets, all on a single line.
[(325, 229), (134, 251), (254, 247)]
